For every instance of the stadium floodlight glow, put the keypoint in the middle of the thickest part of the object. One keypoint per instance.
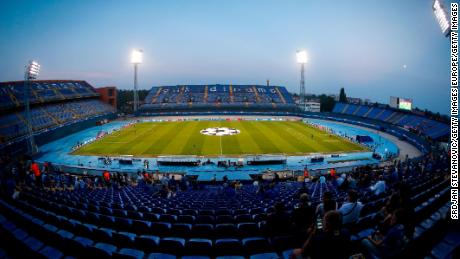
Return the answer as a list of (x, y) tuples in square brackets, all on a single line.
[(302, 59), (136, 59), (31, 73), (32, 70), (442, 17), (302, 56), (136, 56)]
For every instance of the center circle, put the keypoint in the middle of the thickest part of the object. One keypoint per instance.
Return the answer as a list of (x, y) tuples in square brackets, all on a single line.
[(219, 131)]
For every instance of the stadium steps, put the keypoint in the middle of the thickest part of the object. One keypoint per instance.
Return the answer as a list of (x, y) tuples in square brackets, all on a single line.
[(22, 118), (206, 94), (58, 93), (357, 109), (37, 97), (231, 93), (393, 116), (179, 96), (397, 121), (380, 113), (154, 99), (257, 94), (77, 94), (369, 111), (74, 114), (55, 120), (280, 95), (13, 98), (345, 108)]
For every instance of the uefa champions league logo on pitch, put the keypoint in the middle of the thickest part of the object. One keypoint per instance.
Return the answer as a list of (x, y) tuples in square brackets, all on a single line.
[(219, 131)]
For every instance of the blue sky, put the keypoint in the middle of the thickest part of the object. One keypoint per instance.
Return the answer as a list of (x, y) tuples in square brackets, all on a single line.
[(359, 45)]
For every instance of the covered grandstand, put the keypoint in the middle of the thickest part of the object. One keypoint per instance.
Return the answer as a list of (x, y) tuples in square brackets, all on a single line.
[(217, 97), (410, 121), (54, 104)]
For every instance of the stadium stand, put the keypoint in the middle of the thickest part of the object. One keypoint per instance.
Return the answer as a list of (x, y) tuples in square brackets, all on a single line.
[(137, 217), (213, 97), (46, 213), (428, 127), (53, 104)]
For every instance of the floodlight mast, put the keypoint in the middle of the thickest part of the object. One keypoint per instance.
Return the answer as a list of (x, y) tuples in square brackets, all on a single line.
[(302, 60), (136, 58), (31, 73)]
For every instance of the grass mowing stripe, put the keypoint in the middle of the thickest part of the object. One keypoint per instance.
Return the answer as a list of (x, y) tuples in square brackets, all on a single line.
[(330, 146), (289, 134), (176, 144), (263, 141), (230, 144), (276, 136), (246, 142), (303, 135), (315, 140), (184, 138), (161, 138), (195, 141), (139, 144), (172, 135), (211, 145)]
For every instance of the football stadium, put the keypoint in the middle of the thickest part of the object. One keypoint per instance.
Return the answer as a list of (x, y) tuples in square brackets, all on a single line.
[(189, 165)]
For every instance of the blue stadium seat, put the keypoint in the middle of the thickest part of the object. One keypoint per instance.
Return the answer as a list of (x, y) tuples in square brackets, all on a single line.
[(172, 245), (147, 243), (228, 246), (198, 246), (128, 253), (161, 256)]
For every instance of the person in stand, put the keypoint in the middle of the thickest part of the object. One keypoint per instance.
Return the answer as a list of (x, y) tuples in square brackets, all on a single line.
[(278, 222), (379, 187), (351, 209), (106, 177), (331, 242), (37, 173), (391, 244), (303, 215), (328, 204)]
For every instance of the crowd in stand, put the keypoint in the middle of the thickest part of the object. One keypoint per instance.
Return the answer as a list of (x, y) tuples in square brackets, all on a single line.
[(319, 225)]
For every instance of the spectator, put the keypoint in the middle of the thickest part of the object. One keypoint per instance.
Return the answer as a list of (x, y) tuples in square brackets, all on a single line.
[(351, 209), (322, 179), (328, 204), (303, 215), (106, 176), (37, 173), (278, 222), (379, 187), (172, 182), (391, 244), (333, 173), (332, 242)]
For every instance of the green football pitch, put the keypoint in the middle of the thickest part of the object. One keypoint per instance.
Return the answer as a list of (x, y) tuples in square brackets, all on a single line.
[(150, 139)]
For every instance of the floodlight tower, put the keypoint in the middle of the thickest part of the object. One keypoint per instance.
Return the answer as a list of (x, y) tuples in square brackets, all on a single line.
[(136, 59), (302, 60), (31, 73)]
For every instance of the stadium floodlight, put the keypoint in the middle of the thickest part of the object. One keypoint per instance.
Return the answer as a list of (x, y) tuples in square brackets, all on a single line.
[(301, 56), (136, 59), (32, 70), (31, 73), (442, 17), (302, 60), (136, 56)]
